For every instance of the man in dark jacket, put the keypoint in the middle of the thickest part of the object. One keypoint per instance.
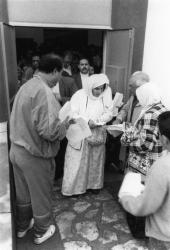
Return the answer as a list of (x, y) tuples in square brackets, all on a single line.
[(81, 78), (63, 91)]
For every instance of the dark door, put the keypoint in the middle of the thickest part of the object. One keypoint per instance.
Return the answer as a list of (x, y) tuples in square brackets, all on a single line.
[(8, 69)]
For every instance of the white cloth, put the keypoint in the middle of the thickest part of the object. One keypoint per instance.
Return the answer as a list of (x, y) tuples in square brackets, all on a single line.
[(148, 94), (84, 104), (68, 70), (88, 108), (84, 168)]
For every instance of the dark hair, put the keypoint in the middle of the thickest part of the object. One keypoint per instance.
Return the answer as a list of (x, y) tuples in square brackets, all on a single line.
[(164, 124), (83, 57), (49, 62), (36, 55)]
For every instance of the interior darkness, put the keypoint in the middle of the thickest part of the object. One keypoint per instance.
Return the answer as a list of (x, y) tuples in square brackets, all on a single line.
[(60, 40)]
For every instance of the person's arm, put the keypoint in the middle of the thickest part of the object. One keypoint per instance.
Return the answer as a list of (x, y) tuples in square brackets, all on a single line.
[(144, 139), (122, 115), (27, 75), (74, 101), (153, 196), (45, 117), (108, 112)]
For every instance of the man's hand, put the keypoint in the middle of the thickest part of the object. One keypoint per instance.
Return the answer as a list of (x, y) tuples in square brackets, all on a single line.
[(67, 122), (63, 128), (91, 124), (72, 121), (117, 121), (120, 105)]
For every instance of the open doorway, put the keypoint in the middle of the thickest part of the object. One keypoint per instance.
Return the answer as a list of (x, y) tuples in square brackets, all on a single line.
[(89, 43), (107, 51)]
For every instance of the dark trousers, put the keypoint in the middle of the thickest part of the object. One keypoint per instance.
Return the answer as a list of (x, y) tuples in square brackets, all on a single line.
[(136, 225), (59, 159), (33, 181), (112, 150)]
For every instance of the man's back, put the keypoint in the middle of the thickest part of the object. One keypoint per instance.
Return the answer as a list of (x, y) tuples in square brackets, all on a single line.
[(30, 118), (158, 222)]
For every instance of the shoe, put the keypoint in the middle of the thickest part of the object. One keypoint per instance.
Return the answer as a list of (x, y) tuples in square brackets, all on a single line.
[(38, 239), (94, 191), (21, 234)]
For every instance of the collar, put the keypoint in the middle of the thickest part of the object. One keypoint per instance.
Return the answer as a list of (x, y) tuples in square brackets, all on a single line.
[(84, 75)]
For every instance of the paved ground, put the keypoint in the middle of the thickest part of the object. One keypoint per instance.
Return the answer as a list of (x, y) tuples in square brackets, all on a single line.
[(89, 222)]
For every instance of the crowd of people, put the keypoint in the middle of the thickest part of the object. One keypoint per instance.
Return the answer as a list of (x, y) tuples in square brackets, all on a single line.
[(40, 151), (28, 62)]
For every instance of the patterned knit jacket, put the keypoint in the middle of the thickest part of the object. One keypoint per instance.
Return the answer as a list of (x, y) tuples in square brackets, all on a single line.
[(143, 140)]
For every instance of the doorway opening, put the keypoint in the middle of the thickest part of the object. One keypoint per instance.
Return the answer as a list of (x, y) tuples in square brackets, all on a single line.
[(86, 42)]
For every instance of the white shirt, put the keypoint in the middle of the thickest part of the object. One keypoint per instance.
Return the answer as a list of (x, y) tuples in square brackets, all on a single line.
[(84, 79), (56, 89), (68, 71)]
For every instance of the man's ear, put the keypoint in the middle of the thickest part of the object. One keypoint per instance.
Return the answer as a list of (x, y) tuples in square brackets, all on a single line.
[(54, 71), (138, 82), (165, 140)]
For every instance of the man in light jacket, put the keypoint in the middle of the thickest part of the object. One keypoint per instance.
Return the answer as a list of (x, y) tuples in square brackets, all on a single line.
[(35, 134)]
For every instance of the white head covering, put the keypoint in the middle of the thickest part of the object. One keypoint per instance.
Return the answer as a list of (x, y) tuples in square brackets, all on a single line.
[(148, 94), (95, 81)]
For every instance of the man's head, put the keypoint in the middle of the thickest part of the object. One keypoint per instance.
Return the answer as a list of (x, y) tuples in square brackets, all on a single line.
[(91, 70), (35, 61), (67, 59), (98, 83), (19, 72), (137, 79), (164, 128), (84, 66), (51, 66)]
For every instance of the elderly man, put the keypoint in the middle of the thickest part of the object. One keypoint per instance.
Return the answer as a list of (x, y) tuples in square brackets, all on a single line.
[(132, 108), (129, 113), (35, 133)]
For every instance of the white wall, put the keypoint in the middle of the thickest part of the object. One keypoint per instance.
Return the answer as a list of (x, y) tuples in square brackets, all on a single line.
[(60, 13), (156, 60)]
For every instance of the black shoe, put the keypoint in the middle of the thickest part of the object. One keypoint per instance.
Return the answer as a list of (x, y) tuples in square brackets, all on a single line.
[(94, 191)]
